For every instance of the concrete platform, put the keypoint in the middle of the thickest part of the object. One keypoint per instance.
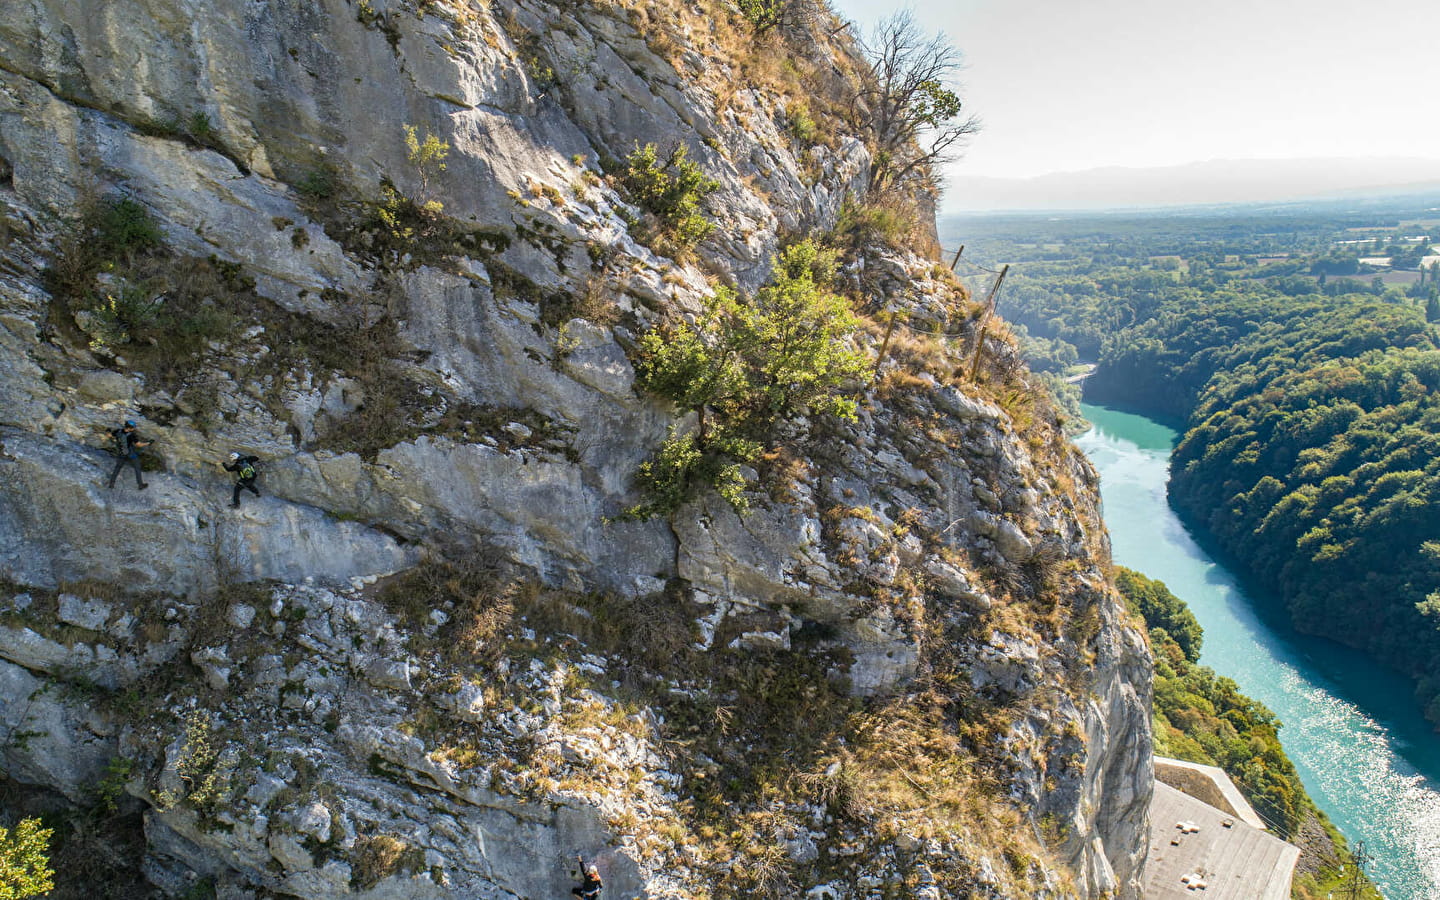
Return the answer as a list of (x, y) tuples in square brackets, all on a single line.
[(1234, 862), (1207, 783)]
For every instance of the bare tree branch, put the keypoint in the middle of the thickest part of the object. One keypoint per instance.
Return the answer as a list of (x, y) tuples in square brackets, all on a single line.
[(914, 117)]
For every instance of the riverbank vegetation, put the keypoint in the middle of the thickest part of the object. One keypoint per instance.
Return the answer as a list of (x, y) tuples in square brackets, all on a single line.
[(1202, 717)]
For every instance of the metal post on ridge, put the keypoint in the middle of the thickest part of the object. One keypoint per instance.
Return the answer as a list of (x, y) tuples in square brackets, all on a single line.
[(985, 322), (884, 344)]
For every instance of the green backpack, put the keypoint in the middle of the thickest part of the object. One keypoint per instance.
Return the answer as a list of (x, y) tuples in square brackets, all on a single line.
[(247, 469)]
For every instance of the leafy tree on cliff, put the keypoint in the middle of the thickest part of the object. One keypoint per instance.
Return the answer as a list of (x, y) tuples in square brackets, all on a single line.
[(742, 368), (671, 193), (767, 15)]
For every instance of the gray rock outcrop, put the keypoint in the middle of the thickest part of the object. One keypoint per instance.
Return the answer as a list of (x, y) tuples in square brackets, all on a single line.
[(465, 390)]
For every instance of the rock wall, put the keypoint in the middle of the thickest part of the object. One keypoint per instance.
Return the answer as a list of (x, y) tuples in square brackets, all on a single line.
[(948, 530)]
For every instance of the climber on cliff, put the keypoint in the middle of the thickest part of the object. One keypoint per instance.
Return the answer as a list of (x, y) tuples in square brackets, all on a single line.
[(245, 473), (591, 886), (127, 452)]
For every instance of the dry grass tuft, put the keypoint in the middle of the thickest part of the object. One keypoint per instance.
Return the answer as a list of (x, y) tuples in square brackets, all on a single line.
[(377, 857)]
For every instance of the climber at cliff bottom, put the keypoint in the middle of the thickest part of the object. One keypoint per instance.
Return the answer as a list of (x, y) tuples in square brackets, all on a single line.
[(127, 452)]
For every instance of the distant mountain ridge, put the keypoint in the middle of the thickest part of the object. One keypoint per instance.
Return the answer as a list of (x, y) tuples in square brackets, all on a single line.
[(1212, 181)]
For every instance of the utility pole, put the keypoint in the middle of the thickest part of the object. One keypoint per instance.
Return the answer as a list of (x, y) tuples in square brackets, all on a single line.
[(1353, 889), (985, 321)]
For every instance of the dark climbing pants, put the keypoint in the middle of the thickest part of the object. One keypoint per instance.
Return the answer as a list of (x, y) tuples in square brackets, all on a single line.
[(122, 462), (247, 485)]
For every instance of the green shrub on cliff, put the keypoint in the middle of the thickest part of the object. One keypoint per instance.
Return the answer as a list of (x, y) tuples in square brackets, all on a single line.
[(683, 467), (670, 192), (764, 15), (121, 227), (409, 219), (127, 292), (742, 368)]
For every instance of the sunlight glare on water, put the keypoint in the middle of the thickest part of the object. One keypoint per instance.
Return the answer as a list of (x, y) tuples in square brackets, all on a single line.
[(1366, 755)]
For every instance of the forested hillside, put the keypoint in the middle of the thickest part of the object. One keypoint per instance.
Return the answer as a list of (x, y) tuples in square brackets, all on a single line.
[(1209, 349), (1309, 455), (1309, 402), (1318, 471)]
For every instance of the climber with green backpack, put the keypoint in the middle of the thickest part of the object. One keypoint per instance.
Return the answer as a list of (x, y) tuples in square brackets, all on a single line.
[(245, 473)]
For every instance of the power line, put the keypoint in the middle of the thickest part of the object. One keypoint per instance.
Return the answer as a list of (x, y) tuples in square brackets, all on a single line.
[(986, 269), (985, 322), (943, 329), (947, 328), (897, 319)]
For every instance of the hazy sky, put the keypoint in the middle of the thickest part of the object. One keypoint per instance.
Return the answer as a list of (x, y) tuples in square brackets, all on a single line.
[(1063, 85)]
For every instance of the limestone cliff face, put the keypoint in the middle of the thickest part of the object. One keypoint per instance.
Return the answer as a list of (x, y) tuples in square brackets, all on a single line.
[(464, 391)]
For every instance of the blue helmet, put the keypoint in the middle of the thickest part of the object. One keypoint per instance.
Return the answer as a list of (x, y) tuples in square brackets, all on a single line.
[(129, 423)]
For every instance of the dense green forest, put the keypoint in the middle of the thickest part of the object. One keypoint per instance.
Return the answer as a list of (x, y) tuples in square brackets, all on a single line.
[(1203, 717), (1298, 353)]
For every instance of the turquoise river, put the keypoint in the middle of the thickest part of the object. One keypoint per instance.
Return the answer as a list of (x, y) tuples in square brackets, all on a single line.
[(1366, 755)]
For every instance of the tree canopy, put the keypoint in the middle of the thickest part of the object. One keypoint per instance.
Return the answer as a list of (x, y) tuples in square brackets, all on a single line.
[(1309, 404), (24, 866)]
